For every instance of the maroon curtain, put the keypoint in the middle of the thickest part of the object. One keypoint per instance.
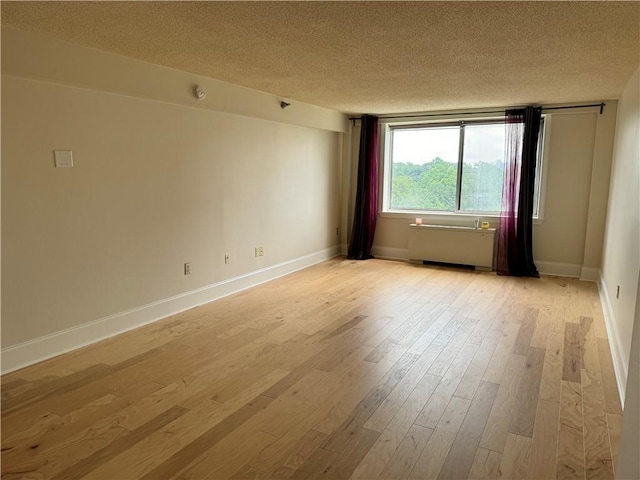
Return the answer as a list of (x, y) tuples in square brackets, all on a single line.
[(366, 211), (515, 234)]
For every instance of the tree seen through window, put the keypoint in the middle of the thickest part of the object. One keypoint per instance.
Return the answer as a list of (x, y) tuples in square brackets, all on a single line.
[(426, 162)]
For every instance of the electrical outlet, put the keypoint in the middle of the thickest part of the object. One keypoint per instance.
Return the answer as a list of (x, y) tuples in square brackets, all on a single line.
[(337, 231), (187, 268), (226, 259), (259, 251)]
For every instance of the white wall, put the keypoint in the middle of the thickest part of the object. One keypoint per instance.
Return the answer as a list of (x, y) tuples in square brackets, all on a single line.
[(98, 248), (621, 263), (621, 251), (599, 191), (628, 467), (568, 239), (560, 238)]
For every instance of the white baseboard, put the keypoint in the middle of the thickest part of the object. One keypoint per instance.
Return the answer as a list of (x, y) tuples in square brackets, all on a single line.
[(546, 268), (48, 346), (559, 269), (620, 365), (590, 274), (386, 253), (390, 253)]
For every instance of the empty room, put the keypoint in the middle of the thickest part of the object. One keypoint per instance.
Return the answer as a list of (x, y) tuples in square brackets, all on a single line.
[(344, 240)]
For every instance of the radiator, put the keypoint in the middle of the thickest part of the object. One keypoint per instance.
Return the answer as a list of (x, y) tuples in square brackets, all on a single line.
[(459, 245)]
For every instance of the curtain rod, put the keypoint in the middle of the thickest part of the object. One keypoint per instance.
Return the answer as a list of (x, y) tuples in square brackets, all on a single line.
[(601, 105)]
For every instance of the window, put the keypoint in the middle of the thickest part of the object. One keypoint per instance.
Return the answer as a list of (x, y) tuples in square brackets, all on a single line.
[(448, 167)]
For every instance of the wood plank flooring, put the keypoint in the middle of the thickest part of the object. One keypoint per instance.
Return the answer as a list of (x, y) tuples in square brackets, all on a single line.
[(348, 369)]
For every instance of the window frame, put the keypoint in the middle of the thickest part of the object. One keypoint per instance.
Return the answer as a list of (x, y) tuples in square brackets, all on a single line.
[(386, 146)]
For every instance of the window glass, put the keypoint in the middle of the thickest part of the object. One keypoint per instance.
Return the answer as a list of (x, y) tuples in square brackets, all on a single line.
[(453, 167), (424, 168), (482, 168)]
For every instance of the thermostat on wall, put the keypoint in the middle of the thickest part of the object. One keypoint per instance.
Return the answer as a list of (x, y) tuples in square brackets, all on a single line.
[(64, 158)]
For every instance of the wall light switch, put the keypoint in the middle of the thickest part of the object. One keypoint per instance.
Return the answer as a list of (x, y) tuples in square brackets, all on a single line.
[(64, 158)]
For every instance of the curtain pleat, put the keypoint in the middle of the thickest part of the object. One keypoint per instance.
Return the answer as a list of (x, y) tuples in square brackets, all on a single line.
[(366, 207), (515, 234)]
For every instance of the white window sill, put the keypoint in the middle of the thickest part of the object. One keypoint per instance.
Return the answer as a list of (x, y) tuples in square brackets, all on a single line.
[(449, 219)]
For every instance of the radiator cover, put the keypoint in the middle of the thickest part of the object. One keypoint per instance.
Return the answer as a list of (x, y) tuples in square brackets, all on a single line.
[(459, 245)]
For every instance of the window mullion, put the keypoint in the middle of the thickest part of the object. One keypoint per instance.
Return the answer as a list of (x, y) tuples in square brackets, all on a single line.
[(389, 165), (459, 173)]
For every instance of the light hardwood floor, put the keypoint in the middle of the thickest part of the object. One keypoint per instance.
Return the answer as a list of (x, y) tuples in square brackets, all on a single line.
[(364, 370)]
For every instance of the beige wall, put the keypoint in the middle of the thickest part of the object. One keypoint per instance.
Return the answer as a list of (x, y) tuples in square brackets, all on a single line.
[(628, 467), (569, 236), (621, 253), (621, 266), (38, 56), (599, 191), (155, 184), (560, 238)]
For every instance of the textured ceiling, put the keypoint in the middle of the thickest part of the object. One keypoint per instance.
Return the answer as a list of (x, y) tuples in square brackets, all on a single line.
[(376, 57)]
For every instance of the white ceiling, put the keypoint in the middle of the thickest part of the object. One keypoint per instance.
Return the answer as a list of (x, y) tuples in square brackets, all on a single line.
[(373, 57)]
